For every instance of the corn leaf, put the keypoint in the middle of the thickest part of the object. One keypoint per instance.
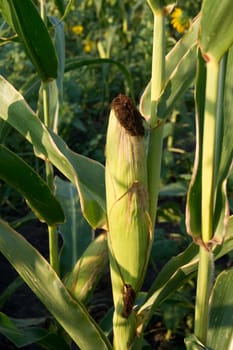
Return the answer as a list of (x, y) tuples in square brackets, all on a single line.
[(77, 62), (24, 336), (76, 232), (175, 273), (223, 157), (216, 28), (192, 343), (86, 174), (179, 74), (24, 18), (24, 179), (60, 5), (220, 331), (44, 282), (82, 280)]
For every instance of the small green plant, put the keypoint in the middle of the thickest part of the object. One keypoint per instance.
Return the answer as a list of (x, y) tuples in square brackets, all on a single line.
[(121, 198)]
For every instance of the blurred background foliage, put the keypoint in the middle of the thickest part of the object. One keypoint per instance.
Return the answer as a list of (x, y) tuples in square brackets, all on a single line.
[(120, 30)]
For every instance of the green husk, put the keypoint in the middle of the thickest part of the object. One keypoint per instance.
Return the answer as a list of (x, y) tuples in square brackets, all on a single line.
[(129, 224)]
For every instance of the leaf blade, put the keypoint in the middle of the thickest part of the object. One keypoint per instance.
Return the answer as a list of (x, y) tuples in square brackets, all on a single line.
[(44, 282), (24, 18), (23, 178), (86, 174)]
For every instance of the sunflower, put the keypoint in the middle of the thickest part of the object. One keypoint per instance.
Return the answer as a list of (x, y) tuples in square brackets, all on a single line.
[(180, 20), (88, 46), (77, 29)]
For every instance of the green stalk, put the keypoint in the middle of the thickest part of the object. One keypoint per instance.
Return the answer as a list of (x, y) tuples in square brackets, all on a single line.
[(208, 158), (158, 62), (204, 283), (154, 158), (156, 132), (52, 232)]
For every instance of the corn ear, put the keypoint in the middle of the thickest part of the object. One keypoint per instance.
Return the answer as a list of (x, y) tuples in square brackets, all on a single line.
[(129, 236)]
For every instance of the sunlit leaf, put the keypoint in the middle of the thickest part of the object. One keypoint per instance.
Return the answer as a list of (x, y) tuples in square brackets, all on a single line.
[(24, 179), (216, 28), (223, 156), (24, 18), (220, 331), (23, 336), (86, 174), (176, 272), (179, 75), (44, 282), (82, 280), (76, 233)]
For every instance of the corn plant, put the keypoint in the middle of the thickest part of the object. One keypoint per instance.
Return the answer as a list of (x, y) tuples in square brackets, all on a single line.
[(121, 198)]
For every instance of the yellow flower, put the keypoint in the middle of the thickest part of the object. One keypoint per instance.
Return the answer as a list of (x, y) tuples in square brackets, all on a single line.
[(88, 46), (180, 20), (77, 30)]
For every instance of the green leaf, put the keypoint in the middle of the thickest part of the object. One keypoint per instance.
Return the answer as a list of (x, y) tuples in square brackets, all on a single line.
[(76, 232), (175, 189), (86, 174), (89, 268), (192, 343), (44, 282), (223, 155), (179, 74), (60, 5), (216, 28), (77, 62), (176, 272), (22, 336), (10, 290), (67, 8), (24, 179), (193, 205), (157, 5), (220, 331), (177, 84), (59, 43), (98, 6), (24, 18)]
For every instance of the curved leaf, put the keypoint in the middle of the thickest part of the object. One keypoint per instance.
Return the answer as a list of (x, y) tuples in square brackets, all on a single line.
[(220, 331), (175, 273), (22, 336), (179, 74), (216, 28), (86, 174), (193, 343), (76, 233), (26, 21), (44, 282), (77, 62), (60, 5), (223, 156), (89, 268), (24, 179)]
